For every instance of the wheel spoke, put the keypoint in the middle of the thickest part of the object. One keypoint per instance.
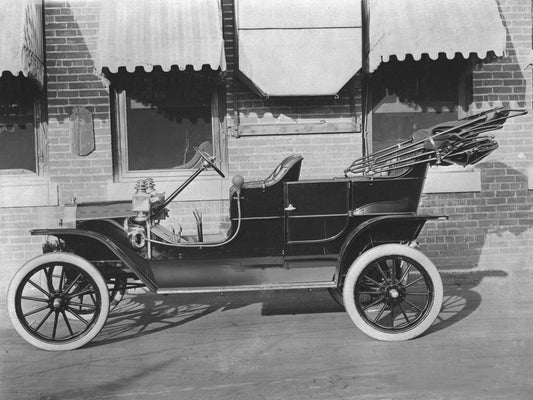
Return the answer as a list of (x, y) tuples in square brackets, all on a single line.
[(392, 315), (78, 316), (67, 323), (412, 283), (36, 310), (56, 318), (39, 299), (404, 314), (404, 275), (62, 278), (370, 292), (72, 283), (39, 288), (417, 294), (371, 280), (43, 320), (380, 312), (375, 302), (48, 272), (412, 305), (394, 270), (82, 293), (76, 304), (380, 265)]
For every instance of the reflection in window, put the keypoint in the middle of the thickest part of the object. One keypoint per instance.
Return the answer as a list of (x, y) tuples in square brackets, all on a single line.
[(164, 116), (161, 139), (17, 125), (411, 95)]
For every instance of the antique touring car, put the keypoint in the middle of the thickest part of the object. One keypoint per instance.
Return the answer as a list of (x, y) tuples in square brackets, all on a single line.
[(354, 235)]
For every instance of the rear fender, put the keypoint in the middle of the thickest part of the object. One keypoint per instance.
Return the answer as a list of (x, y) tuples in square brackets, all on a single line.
[(86, 242), (376, 231)]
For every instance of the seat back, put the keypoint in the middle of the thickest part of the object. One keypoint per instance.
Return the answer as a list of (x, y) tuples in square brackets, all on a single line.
[(287, 170), (264, 198)]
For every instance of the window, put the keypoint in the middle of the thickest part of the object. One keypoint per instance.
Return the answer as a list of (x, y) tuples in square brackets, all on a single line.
[(160, 117), (410, 95), (20, 152)]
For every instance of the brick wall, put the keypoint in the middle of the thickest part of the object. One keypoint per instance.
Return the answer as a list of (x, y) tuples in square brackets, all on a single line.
[(325, 155), (71, 30), (494, 226), (486, 228)]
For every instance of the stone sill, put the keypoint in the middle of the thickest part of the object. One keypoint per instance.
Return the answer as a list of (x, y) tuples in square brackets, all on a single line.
[(452, 180), (28, 193)]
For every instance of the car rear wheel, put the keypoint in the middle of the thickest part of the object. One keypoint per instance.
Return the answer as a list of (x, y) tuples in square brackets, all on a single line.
[(393, 292), (117, 287), (44, 301)]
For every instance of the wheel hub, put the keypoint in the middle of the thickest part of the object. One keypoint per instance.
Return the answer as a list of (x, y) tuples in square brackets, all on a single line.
[(58, 303), (393, 293)]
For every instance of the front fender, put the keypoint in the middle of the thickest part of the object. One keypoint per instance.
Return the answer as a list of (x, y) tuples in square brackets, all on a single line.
[(379, 230), (77, 238)]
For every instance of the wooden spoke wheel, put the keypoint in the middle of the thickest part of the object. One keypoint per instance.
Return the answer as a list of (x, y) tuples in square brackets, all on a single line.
[(393, 292), (58, 301)]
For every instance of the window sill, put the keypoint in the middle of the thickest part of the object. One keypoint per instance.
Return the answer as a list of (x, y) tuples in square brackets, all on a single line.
[(161, 175), (27, 192), (203, 188), (452, 179)]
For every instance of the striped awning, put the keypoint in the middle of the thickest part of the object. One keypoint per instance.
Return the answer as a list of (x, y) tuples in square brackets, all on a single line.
[(166, 33), (21, 38), (297, 47), (416, 27)]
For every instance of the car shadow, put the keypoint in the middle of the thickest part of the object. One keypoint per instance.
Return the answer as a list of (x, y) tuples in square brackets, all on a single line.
[(148, 314), (460, 296)]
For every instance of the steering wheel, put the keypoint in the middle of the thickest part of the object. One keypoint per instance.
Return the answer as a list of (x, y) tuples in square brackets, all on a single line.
[(210, 160)]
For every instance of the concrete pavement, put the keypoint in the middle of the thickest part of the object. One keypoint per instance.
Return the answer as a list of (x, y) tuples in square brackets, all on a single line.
[(289, 345)]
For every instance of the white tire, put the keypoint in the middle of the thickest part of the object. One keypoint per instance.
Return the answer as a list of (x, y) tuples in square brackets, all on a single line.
[(43, 304), (393, 292)]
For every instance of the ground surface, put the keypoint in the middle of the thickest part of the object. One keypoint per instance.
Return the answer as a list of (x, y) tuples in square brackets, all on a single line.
[(288, 345)]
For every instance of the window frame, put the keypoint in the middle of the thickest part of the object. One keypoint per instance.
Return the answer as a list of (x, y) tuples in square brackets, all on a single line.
[(32, 189), (120, 149), (457, 178), (464, 103), (41, 147)]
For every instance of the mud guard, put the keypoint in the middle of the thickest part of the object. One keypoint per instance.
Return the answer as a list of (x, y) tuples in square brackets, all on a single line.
[(137, 264), (380, 230)]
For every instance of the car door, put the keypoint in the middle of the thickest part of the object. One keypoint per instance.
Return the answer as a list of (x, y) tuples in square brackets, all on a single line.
[(315, 211)]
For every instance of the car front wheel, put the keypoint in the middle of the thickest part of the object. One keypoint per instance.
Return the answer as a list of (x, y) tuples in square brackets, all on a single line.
[(45, 306)]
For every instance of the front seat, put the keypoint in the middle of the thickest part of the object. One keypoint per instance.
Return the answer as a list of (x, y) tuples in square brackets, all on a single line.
[(287, 171)]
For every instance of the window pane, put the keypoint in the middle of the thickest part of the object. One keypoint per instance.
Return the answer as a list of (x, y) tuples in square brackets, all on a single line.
[(17, 130), (167, 115), (160, 139), (412, 95)]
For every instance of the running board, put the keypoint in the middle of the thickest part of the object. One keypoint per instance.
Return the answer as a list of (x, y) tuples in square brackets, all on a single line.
[(249, 288)]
